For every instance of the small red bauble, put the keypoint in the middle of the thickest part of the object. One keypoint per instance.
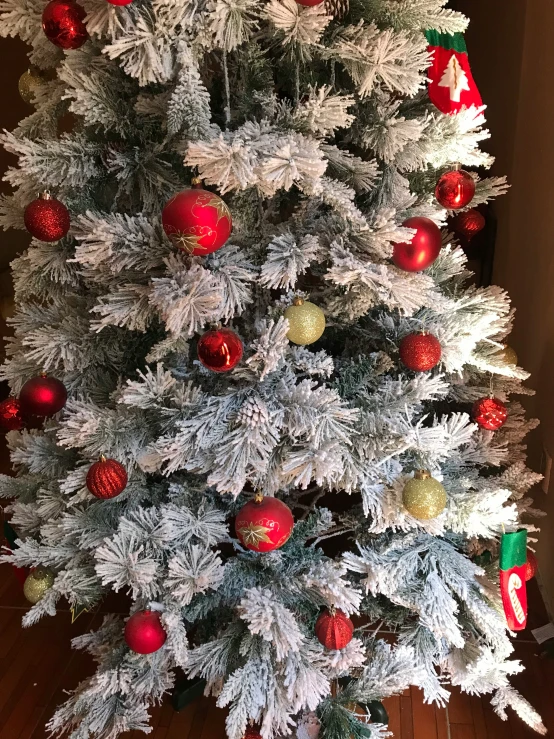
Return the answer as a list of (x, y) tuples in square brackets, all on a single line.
[(120, 2), (197, 221), (106, 479), (264, 524), (46, 218), (10, 415), (220, 349), (420, 352), (62, 23), (42, 396), (455, 189), (531, 566), (489, 413), (334, 629), (309, 3), (144, 632), (252, 732), (469, 223), (422, 250)]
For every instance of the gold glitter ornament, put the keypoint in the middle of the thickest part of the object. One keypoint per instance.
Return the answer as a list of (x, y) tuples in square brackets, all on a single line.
[(28, 84), (508, 354), (423, 496), (37, 583), (306, 322)]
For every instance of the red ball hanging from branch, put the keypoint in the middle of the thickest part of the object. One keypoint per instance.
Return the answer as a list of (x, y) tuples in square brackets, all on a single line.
[(63, 24), (220, 349), (42, 396), (309, 3), (489, 413), (468, 223), (107, 478), (46, 218), (455, 189), (197, 221), (422, 250), (420, 351), (11, 418), (120, 2), (531, 566), (144, 632), (334, 629), (264, 524)]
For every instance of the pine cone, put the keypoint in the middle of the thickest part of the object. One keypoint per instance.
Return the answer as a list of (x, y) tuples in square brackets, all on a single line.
[(337, 8), (253, 412)]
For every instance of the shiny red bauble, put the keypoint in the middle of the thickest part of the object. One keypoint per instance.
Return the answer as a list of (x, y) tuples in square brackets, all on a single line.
[(197, 221), (107, 478), (220, 349), (455, 189), (489, 413), (334, 629), (46, 218), (422, 250), (62, 23), (10, 415), (420, 351), (120, 2), (42, 396), (469, 223), (531, 566), (264, 524), (144, 632), (309, 3)]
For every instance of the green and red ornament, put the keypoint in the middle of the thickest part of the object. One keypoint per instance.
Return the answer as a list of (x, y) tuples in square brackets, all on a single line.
[(451, 84), (11, 418), (144, 633), (334, 629), (63, 24), (220, 349), (197, 221), (42, 396), (455, 189), (264, 524), (422, 250), (106, 478), (513, 560), (46, 218), (489, 413), (420, 351)]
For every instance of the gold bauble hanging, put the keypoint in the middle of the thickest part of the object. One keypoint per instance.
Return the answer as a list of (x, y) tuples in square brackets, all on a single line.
[(306, 322), (423, 496), (29, 83), (508, 355), (37, 583)]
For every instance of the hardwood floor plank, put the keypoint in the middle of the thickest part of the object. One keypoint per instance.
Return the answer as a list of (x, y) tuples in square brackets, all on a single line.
[(392, 706), (425, 726), (462, 731), (181, 722), (478, 716), (441, 718), (459, 708), (496, 728), (406, 719)]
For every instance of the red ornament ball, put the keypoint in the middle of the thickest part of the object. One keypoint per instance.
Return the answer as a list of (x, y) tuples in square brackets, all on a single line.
[(197, 221), (106, 479), (455, 189), (252, 732), (489, 413), (42, 396), (422, 250), (10, 415), (120, 2), (144, 632), (46, 218), (264, 524), (62, 23), (469, 223), (420, 352), (531, 566), (220, 349), (309, 3), (334, 629)]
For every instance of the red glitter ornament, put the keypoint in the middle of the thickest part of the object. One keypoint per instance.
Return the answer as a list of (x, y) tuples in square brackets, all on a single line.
[(455, 189), (46, 218), (144, 632), (469, 223), (10, 415), (252, 732), (220, 349), (422, 250), (334, 629), (42, 396), (107, 478), (531, 566), (489, 413), (62, 23), (264, 524), (420, 351), (197, 221)]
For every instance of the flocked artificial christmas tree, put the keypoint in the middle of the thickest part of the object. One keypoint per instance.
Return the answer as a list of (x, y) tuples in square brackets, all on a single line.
[(268, 425)]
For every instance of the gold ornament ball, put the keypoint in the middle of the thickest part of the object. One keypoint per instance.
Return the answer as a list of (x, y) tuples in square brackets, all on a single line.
[(29, 82), (508, 354), (423, 496), (306, 322), (37, 583)]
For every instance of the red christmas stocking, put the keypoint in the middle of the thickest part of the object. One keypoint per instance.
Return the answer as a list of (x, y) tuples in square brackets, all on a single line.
[(451, 84), (513, 557)]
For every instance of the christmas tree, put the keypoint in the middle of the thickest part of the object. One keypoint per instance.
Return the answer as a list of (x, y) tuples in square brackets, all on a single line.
[(253, 388)]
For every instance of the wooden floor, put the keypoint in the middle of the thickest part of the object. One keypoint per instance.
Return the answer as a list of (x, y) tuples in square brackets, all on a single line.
[(38, 664)]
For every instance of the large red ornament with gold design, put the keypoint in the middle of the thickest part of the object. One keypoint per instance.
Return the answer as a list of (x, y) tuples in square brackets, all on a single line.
[(334, 629), (489, 413), (197, 221), (264, 524), (107, 478)]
